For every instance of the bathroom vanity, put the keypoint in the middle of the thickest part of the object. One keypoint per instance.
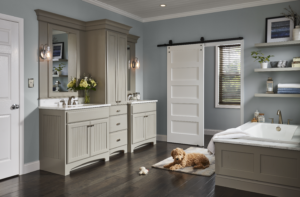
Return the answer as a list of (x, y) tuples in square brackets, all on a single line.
[(142, 123), (73, 135), (263, 163)]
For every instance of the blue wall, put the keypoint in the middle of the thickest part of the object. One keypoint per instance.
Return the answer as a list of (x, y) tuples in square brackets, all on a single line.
[(248, 23), (71, 8)]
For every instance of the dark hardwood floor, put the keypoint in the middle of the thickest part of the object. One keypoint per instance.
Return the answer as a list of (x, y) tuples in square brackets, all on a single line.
[(119, 177)]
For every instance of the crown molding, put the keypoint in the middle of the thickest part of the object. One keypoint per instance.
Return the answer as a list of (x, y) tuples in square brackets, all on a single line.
[(218, 9), (114, 9), (186, 14), (132, 38)]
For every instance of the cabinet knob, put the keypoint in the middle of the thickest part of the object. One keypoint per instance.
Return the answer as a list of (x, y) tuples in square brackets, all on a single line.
[(118, 140), (118, 110), (118, 124)]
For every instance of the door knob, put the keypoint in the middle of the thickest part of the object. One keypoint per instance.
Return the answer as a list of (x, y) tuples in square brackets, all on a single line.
[(15, 106)]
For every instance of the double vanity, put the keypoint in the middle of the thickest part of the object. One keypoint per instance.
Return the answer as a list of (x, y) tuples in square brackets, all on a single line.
[(71, 136), (75, 135)]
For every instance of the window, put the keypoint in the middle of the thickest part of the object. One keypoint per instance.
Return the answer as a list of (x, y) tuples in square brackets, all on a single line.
[(228, 76)]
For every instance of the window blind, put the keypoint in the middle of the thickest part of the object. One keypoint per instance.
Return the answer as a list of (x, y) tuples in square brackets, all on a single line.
[(230, 75)]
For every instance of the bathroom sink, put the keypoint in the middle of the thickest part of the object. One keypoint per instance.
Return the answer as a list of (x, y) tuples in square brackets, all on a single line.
[(72, 107)]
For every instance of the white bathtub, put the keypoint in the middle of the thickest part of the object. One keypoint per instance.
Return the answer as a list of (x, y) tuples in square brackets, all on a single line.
[(267, 132)]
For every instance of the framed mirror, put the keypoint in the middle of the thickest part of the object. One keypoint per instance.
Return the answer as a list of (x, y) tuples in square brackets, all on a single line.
[(131, 72), (64, 64)]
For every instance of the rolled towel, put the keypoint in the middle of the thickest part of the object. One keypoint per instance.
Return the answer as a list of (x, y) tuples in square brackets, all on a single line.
[(233, 133)]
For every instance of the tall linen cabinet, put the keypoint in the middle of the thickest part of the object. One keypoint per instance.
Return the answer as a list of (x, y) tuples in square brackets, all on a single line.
[(106, 52)]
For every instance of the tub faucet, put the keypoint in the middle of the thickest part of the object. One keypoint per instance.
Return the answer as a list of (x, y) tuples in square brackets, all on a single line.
[(280, 117)]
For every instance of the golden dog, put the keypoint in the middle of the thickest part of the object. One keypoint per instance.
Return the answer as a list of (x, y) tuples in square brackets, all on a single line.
[(182, 160)]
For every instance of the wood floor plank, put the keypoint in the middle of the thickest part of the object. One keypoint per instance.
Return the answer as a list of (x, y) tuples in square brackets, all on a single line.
[(119, 177)]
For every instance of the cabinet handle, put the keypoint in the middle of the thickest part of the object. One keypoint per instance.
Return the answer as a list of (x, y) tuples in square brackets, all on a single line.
[(118, 140), (118, 124), (90, 126), (118, 110)]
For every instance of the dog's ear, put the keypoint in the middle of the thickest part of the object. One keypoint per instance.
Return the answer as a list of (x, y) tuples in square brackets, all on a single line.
[(183, 153), (173, 152)]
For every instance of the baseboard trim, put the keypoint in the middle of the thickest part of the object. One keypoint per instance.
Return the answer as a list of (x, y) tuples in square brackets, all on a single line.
[(31, 167), (211, 131), (162, 138)]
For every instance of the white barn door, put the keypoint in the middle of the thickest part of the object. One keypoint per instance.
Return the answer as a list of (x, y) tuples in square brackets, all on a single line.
[(186, 94)]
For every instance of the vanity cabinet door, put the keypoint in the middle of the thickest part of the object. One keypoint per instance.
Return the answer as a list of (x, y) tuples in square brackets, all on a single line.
[(78, 141), (112, 62), (99, 136), (138, 127), (150, 124), (122, 69)]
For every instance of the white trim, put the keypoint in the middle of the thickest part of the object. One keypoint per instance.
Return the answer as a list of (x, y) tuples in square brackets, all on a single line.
[(114, 9), (211, 131), (20, 21), (162, 138), (31, 167), (216, 45), (186, 14)]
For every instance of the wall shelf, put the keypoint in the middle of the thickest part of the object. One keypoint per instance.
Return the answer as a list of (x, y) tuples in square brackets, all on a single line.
[(60, 60), (59, 75), (278, 95), (276, 69), (278, 44)]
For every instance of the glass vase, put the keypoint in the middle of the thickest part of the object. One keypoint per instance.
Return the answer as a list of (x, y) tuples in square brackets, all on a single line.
[(86, 96)]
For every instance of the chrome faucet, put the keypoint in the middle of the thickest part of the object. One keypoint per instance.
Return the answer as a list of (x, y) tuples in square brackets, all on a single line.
[(129, 96), (280, 117), (70, 100)]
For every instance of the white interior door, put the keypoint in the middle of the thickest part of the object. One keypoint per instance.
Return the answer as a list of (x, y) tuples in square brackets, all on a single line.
[(9, 95), (186, 94)]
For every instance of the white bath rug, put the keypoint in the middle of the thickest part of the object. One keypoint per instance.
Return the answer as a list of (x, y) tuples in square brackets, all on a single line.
[(190, 170)]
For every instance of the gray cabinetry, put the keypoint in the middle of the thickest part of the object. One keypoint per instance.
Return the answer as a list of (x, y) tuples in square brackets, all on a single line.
[(69, 139), (142, 125), (118, 129)]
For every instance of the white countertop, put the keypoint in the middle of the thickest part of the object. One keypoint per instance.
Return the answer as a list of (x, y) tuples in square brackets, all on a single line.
[(74, 107), (141, 101), (262, 143)]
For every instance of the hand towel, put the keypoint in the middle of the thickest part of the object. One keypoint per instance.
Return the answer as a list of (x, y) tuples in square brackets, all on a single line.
[(228, 134)]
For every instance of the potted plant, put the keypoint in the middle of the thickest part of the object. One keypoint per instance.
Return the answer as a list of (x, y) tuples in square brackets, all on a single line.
[(59, 68), (259, 56), (296, 19)]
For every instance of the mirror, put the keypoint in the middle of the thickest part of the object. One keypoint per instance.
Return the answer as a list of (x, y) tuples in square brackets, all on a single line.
[(65, 64), (60, 60), (128, 68)]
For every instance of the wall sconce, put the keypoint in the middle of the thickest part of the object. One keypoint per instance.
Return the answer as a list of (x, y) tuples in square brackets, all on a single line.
[(136, 63), (45, 52)]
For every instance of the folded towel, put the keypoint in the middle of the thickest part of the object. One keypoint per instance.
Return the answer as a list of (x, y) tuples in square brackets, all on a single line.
[(289, 89), (290, 85), (287, 92), (228, 134)]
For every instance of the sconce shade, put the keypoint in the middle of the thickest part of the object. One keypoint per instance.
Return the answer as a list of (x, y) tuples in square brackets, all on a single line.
[(45, 52), (136, 63)]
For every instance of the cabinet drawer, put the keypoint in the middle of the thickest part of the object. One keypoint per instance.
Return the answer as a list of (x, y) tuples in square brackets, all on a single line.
[(117, 110), (87, 114), (140, 108), (118, 123), (117, 139)]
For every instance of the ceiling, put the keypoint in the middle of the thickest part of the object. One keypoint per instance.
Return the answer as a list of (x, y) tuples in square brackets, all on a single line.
[(150, 10)]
